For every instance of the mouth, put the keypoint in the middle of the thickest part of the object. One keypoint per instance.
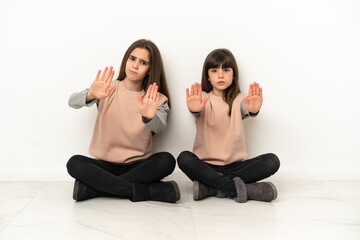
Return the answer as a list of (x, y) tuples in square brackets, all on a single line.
[(221, 82), (132, 72)]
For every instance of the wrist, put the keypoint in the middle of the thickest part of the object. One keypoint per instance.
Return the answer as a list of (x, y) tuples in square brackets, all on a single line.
[(195, 110), (146, 119), (89, 96)]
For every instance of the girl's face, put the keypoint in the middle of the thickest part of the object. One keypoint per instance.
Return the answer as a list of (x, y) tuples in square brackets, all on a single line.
[(220, 78), (137, 65)]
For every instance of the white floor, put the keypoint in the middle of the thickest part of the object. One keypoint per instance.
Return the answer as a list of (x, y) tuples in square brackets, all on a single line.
[(304, 210)]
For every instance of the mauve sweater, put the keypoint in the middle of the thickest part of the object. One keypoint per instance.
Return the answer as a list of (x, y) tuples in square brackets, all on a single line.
[(121, 135), (220, 138)]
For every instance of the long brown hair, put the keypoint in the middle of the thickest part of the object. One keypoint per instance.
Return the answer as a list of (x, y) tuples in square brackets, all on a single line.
[(224, 58), (156, 70)]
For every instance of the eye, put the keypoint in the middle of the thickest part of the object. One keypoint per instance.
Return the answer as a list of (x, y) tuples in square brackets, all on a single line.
[(144, 63), (132, 58), (213, 70), (227, 69)]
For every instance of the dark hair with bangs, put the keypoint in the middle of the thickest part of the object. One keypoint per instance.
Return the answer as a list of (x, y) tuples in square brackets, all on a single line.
[(224, 58), (156, 70)]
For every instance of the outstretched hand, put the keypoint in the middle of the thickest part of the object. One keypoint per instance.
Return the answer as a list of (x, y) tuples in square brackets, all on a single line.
[(150, 102), (194, 99), (254, 99), (101, 86)]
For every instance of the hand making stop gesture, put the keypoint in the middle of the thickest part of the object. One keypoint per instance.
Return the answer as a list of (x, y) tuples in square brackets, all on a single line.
[(254, 99), (150, 102), (101, 86), (194, 99)]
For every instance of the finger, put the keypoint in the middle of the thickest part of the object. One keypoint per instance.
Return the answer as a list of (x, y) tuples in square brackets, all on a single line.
[(97, 76), (250, 90), (109, 90), (196, 92), (192, 89), (140, 100), (257, 89), (109, 76), (112, 76), (203, 102), (260, 92), (103, 74), (154, 91), (187, 93), (199, 90), (109, 79), (246, 100), (147, 95), (157, 98), (254, 89)]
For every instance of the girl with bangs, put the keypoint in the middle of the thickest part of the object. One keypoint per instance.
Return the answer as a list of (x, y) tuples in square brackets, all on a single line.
[(131, 109), (218, 165)]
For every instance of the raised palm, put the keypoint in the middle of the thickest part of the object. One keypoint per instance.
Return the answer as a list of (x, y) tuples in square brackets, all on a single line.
[(150, 102), (194, 99), (254, 99), (101, 86)]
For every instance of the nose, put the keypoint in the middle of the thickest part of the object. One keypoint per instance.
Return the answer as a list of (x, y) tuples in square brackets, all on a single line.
[(135, 65), (220, 73)]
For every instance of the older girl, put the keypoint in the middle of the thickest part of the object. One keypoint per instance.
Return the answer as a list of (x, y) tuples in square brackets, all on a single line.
[(123, 164)]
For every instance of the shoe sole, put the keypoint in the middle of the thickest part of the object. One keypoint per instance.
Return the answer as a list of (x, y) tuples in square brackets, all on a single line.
[(76, 189), (196, 190), (177, 190), (274, 189)]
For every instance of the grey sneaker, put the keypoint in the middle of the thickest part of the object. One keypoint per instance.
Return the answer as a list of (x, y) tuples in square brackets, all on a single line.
[(261, 191), (201, 191)]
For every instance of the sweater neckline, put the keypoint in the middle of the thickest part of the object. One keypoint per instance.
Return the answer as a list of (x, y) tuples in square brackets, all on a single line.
[(122, 85)]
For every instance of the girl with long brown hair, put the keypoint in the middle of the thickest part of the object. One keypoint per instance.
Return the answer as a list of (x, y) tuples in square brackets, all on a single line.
[(130, 110), (218, 166)]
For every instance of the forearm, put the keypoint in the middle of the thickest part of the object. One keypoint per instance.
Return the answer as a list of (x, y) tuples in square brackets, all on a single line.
[(79, 99)]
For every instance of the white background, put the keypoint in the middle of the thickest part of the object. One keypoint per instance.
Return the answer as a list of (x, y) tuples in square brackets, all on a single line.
[(305, 55)]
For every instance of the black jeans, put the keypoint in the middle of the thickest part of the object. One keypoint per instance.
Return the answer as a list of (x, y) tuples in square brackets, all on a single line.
[(116, 179), (220, 177)]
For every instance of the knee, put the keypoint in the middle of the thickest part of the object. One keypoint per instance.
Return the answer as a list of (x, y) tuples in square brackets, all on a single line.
[(166, 159), (185, 159), (73, 165), (272, 162)]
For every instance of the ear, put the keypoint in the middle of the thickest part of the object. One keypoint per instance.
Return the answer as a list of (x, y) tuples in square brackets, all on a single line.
[(148, 73)]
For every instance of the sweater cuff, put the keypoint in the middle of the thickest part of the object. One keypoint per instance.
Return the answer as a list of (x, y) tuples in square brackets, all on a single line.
[(253, 114), (195, 114), (154, 125)]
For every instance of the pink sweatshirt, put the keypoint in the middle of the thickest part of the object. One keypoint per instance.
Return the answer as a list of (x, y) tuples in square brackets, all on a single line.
[(220, 138), (119, 134)]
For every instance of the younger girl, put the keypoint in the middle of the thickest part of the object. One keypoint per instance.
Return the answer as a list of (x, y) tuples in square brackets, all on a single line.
[(217, 165), (124, 165)]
